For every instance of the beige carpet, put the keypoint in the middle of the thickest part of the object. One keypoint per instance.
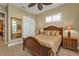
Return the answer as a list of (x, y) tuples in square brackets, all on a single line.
[(67, 52), (17, 51)]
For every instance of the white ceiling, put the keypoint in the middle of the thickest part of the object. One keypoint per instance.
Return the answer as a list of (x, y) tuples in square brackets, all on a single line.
[(34, 9)]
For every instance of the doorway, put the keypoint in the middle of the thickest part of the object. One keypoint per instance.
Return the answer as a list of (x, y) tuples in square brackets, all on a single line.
[(2, 28)]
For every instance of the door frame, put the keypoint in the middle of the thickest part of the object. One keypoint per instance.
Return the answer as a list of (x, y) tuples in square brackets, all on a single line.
[(4, 27)]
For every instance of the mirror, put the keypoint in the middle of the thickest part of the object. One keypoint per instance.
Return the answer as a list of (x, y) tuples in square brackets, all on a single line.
[(16, 27)]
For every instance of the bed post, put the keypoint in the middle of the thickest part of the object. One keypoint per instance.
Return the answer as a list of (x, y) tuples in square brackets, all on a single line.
[(23, 44)]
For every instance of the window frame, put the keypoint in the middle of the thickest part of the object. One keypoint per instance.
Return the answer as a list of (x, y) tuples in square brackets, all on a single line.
[(52, 18)]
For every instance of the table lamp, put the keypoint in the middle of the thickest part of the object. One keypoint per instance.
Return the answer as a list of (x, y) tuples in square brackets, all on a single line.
[(69, 29), (41, 30)]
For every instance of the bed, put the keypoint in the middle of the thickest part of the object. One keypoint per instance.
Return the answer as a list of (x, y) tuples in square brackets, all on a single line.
[(43, 44)]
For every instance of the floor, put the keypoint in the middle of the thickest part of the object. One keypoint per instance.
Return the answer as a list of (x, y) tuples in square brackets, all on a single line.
[(17, 51)]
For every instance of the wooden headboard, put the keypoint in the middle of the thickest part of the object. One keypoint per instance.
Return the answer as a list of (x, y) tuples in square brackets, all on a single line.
[(60, 29), (55, 28)]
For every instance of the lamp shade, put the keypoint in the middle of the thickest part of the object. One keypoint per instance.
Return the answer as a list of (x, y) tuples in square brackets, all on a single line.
[(41, 30), (69, 27)]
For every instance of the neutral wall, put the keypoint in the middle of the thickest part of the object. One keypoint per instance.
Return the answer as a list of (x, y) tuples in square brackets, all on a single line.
[(70, 15), (2, 8), (14, 11)]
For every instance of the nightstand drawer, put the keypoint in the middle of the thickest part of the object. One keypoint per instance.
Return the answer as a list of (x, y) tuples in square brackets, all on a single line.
[(70, 43)]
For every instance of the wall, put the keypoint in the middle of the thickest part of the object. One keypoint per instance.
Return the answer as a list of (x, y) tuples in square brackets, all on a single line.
[(3, 8), (70, 15), (14, 11)]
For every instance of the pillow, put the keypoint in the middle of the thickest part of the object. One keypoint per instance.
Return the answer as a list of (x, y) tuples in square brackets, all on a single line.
[(47, 32), (55, 32)]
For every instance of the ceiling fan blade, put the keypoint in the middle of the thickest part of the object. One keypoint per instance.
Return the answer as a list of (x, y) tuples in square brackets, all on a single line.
[(40, 7), (47, 3), (32, 4)]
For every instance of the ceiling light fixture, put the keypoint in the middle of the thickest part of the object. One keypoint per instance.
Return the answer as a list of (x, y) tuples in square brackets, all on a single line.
[(39, 5)]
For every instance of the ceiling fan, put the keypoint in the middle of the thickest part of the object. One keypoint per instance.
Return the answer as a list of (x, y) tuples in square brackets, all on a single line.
[(39, 5)]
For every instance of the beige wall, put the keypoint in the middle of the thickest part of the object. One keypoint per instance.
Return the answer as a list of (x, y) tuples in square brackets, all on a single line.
[(14, 11), (70, 14), (2, 8)]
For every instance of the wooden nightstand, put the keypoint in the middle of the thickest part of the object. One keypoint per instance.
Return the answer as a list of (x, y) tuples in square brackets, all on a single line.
[(70, 43)]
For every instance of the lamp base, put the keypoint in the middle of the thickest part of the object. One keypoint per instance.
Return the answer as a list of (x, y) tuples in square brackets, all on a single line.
[(68, 34)]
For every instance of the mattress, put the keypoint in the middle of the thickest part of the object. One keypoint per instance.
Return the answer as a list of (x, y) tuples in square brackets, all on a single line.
[(49, 41)]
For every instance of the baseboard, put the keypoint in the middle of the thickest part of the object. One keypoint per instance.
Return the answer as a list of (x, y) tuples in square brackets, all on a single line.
[(12, 44)]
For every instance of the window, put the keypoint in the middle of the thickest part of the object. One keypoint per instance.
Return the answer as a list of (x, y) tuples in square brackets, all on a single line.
[(48, 19), (53, 18)]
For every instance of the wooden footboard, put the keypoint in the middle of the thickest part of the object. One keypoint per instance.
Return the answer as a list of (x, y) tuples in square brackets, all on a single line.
[(36, 48)]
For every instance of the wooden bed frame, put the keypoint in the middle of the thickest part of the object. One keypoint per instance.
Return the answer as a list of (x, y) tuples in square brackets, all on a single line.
[(36, 48)]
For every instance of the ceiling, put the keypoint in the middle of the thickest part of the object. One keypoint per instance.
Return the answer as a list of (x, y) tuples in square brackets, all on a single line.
[(34, 9)]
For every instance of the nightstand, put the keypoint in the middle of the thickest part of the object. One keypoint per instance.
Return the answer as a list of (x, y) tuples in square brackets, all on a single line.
[(70, 43)]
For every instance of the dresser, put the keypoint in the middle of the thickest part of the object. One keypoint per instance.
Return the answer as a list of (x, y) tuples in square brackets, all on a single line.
[(70, 43)]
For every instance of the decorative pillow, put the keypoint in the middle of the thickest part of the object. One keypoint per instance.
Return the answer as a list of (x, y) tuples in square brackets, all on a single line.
[(47, 32), (55, 32)]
